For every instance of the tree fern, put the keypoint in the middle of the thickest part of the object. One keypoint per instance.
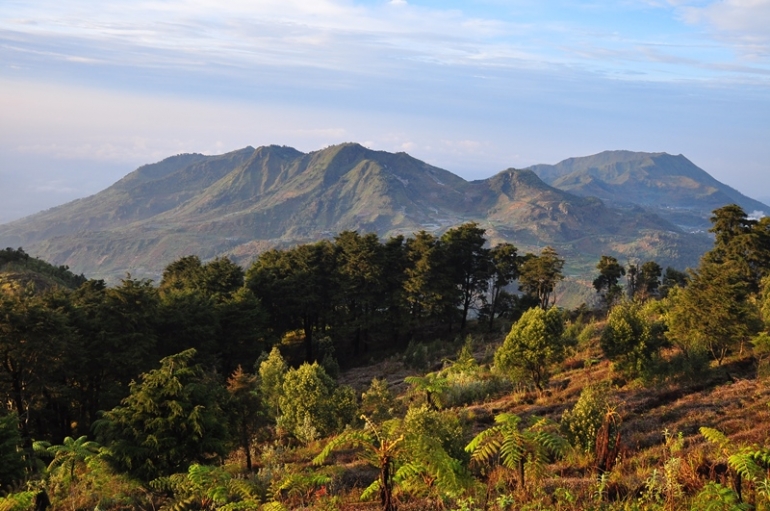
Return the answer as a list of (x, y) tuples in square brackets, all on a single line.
[(516, 448)]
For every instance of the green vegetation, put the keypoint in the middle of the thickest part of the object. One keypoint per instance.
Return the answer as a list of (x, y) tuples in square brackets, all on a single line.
[(292, 385)]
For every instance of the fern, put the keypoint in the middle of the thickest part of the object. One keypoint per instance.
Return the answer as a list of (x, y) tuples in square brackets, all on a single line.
[(714, 436)]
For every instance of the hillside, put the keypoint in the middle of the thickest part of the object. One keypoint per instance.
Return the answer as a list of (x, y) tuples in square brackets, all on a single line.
[(20, 274), (240, 203), (669, 186)]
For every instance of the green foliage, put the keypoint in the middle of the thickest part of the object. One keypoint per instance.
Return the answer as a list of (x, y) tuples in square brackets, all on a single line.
[(632, 341), (518, 449), (606, 283), (443, 427), (12, 459), (377, 401), (209, 487), (432, 386), (312, 405), (69, 453), (534, 344), (34, 342), (581, 424), (715, 497), (245, 409), (272, 371), (21, 501), (713, 312), (538, 275), (171, 419), (470, 265)]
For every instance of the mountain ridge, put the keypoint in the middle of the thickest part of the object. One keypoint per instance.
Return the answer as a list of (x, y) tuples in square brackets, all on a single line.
[(239, 203), (668, 185)]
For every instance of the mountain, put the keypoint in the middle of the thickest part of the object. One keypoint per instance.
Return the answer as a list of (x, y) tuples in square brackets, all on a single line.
[(240, 203), (670, 186)]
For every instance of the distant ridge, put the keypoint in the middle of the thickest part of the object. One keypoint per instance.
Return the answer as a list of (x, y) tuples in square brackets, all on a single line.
[(240, 203), (670, 186)]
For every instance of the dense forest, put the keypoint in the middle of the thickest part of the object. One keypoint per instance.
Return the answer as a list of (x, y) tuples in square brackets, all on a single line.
[(225, 388)]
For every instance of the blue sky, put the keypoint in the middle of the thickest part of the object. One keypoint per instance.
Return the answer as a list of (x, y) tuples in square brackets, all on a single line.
[(90, 90)]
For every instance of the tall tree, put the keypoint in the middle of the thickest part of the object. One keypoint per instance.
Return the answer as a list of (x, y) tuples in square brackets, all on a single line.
[(649, 280), (171, 419), (360, 266), (34, 342), (428, 288), (116, 339), (744, 241), (245, 409), (296, 287), (539, 275), (713, 312), (606, 284), (505, 262), (468, 264)]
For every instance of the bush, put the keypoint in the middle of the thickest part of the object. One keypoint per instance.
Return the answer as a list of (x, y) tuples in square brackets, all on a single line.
[(581, 424), (534, 343), (632, 341), (377, 402), (312, 405), (272, 370), (443, 426)]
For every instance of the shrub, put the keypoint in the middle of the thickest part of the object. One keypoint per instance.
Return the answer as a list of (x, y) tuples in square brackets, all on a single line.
[(632, 341), (581, 424), (272, 370), (377, 401), (311, 403), (534, 343)]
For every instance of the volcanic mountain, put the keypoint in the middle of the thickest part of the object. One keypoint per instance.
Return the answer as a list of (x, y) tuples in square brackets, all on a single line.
[(670, 186), (240, 203)]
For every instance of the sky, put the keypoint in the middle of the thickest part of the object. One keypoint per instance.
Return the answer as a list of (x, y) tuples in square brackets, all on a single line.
[(91, 90)]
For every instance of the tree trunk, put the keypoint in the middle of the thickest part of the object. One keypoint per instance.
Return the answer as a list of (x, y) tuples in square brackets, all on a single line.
[(386, 490)]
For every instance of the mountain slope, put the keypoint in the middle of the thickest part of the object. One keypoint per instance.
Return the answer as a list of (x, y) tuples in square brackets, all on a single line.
[(240, 203), (670, 186)]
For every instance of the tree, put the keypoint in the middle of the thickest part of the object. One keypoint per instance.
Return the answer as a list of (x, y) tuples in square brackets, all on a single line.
[(12, 462), (539, 275), (378, 449), (468, 264), (672, 278), (360, 266), (606, 283), (296, 287), (34, 338), (505, 263), (648, 281), (272, 371), (713, 312), (630, 340), (116, 339), (245, 409), (429, 290), (219, 278), (534, 343), (433, 385), (171, 419), (742, 241), (71, 452)]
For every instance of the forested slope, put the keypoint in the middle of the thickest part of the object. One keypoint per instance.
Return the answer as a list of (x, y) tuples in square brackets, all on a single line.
[(349, 374)]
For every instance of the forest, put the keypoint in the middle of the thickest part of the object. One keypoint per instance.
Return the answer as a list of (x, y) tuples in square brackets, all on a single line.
[(428, 372)]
